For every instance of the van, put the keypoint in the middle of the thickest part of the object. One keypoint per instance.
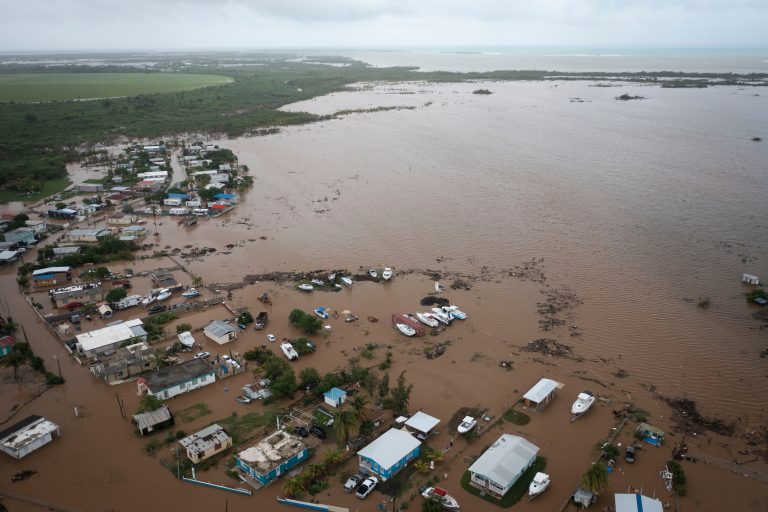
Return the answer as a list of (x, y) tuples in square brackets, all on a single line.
[(178, 211), (172, 201), (200, 212), (193, 204)]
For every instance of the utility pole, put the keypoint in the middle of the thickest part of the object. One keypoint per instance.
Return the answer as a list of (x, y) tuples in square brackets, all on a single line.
[(120, 406), (58, 362), (26, 339)]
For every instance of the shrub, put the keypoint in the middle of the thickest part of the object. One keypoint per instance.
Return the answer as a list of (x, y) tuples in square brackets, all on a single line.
[(245, 318), (116, 294), (183, 328)]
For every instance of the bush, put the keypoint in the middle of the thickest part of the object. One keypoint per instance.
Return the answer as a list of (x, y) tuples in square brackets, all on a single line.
[(149, 403), (53, 379), (116, 294), (303, 346), (678, 478), (245, 318), (308, 323), (183, 328)]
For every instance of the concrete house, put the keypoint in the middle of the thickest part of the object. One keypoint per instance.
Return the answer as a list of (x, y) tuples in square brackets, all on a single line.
[(38, 226), (220, 332), (258, 390), (147, 422), (134, 231), (51, 276), (21, 236), (206, 443), (335, 397), (6, 345), (111, 337), (87, 235), (178, 379), (122, 220), (540, 395), (496, 471), (124, 363), (270, 458), (26, 436), (389, 453), (8, 257)]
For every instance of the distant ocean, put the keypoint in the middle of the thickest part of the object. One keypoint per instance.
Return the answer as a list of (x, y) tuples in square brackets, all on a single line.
[(727, 59)]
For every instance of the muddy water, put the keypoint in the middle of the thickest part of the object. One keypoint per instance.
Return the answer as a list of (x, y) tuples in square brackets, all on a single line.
[(634, 206)]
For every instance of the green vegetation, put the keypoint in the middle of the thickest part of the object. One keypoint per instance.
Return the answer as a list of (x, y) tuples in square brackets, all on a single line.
[(518, 490), (155, 443), (31, 189), (245, 318), (678, 478), (595, 478), (399, 396), (758, 293), (303, 346), (306, 322), (312, 478), (154, 324), (193, 412), (183, 328), (109, 248), (516, 417), (242, 428), (148, 404), (22, 353), (116, 294)]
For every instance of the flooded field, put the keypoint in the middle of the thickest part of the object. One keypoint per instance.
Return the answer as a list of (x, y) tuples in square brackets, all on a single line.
[(626, 214)]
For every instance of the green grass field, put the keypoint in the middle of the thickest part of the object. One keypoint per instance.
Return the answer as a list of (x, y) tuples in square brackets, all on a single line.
[(32, 87), (50, 187)]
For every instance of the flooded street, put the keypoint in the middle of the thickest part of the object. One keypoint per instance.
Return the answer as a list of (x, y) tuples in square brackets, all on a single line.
[(632, 210)]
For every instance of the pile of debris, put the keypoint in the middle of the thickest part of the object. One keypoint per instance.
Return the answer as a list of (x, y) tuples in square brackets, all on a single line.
[(548, 347), (435, 351), (461, 284), (434, 301), (529, 271), (689, 421)]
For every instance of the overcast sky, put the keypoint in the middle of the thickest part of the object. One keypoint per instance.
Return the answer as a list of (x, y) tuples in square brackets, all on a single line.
[(199, 24)]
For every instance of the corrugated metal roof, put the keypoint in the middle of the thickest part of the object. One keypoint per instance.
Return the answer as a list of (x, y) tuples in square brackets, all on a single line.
[(636, 503), (218, 328), (541, 390), (149, 419), (505, 459), (50, 270), (390, 447)]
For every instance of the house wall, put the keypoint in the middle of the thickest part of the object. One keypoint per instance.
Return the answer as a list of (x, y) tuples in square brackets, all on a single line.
[(185, 387), (210, 452), (275, 472), (386, 473), (496, 488), (29, 448), (27, 237), (221, 340), (54, 280)]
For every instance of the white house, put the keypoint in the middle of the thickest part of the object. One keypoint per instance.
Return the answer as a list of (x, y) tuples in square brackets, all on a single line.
[(178, 379), (111, 337), (636, 503), (220, 332), (502, 464), (335, 397), (541, 394), (87, 235), (26, 436)]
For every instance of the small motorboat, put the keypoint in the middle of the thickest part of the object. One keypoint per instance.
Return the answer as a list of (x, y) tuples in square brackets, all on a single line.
[(191, 293), (583, 403), (331, 277), (406, 329), (539, 484), (372, 272), (305, 287), (441, 495), (149, 299), (427, 319), (351, 318), (321, 312), (387, 274), (164, 294), (441, 316), (23, 475), (467, 424), (455, 312), (438, 287), (289, 351), (317, 282), (346, 280)]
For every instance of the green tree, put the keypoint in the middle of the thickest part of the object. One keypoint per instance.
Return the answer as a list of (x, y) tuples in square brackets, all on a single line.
[(370, 382), (295, 316), (275, 367), (285, 384), (116, 294), (384, 386), (359, 406), (197, 281), (431, 505), (183, 328), (345, 424), (332, 458), (149, 403), (294, 487), (595, 479), (309, 378), (400, 395), (329, 380), (310, 324), (245, 318)]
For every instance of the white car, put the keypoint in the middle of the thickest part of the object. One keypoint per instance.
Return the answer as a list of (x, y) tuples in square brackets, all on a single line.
[(202, 355), (366, 487), (271, 337), (289, 351), (225, 357)]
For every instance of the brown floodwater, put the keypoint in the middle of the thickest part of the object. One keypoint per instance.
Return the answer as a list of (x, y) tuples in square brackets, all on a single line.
[(639, 208)]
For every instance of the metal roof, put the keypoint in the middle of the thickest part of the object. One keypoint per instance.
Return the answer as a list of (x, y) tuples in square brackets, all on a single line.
[(174, 375), (541, 390), (111, 334), (636, 503), (422, 422), (26, 431), (149, 419), (390, 447), (219, 328), (335, 393), (505, 459), (50, 270)]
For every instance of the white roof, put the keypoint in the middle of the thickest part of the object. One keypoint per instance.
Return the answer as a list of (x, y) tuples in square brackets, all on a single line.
[(186, 339), (108, 335), (636, 503), (6, 255), (50, 270), (422, 422), (32, 431), (505, 459), (541, 390), (390, 447)]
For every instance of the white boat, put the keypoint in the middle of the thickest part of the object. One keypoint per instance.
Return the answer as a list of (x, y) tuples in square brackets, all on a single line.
[(441, 316), (306, 287), (467, 424), (289, 351), (441, 495), (387, 274), (149, 299), (539, 484), (321, 312), (331, 277), (406, 329), (346, 280), (427, 319), (191, 293), (164, 294), (317, 282), (372, 272), (455, 312), (438, 287), (583, 403)]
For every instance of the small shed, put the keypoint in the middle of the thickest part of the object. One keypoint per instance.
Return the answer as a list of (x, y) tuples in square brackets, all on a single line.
[(422, 423), (636, 503), (650, 434), (221, 332), (335, 397), (750, 278), (8, 256), (186, 339), (584, 498), (6, 345), (147, 422), (540, 395)]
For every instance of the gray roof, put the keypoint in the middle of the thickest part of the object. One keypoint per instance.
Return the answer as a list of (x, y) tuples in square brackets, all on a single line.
[(422, 422), (173, 375), (505, 459), (541, 390), (219, 328), (149, 419), (390, 447)]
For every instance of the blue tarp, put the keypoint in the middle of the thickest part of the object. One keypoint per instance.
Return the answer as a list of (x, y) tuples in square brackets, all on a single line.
[(224, 196)]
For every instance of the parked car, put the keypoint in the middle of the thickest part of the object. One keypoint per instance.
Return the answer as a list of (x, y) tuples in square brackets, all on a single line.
[(225, 357), (202, 355), (301, 431), (157, 308), (243, 399), (318, 431), (629, 456), (366, 487), (353, 482)]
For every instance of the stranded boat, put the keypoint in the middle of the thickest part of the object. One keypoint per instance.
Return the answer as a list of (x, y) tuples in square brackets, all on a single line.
[(387, 274), (406, 329), (441, 495), (455, 312), (539, 484), (467, 424), (427, 319), (305, 287), (441, 316), (321, 312), (191, 293), (317, 282), (346, 280), (372, 272), (164, 294), (149, 299), (583, 403)]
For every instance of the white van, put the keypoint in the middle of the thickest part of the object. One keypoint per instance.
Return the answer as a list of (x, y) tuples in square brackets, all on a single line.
[(200, 212), (172, 201), (194, 204), (178, 211)]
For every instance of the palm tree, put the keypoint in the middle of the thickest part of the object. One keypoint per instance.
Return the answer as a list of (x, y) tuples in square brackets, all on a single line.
[(359, 406), (294, 487), (197, 281), (332, 458), (314, 472), (345, 423), (595, 479)]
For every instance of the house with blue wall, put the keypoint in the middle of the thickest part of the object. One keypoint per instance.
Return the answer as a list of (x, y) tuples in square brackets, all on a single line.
[(6, 345), (271, 457), (389, 453)]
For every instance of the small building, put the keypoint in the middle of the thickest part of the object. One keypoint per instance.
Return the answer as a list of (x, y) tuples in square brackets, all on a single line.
[(38, 226), (225, 198), (124, 363), (24, 236), (271, 457), (750, 278), (67, 250), (258, 390), (186, 339), (26, 436), (636, 503), (335, 397), (389, 453), (423, 424), (6, 345), (7, 257), (51, 276), (90, 187), (148, 185), (63, 213), (206, 443), (650, 434), (583, 498), (541, 394), (221, 332), (122, 220), (111, 337), (147, 422), (178, 379), (82, 293), (87, 235), (134, 231), (496, 471)]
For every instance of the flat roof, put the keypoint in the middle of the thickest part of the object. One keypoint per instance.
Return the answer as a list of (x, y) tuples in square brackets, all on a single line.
[(173, 375), (26, 431), (541, 390), (422, 422), (272, 451), (110, 334), (50, 270), (390, 448), (204, 439)]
